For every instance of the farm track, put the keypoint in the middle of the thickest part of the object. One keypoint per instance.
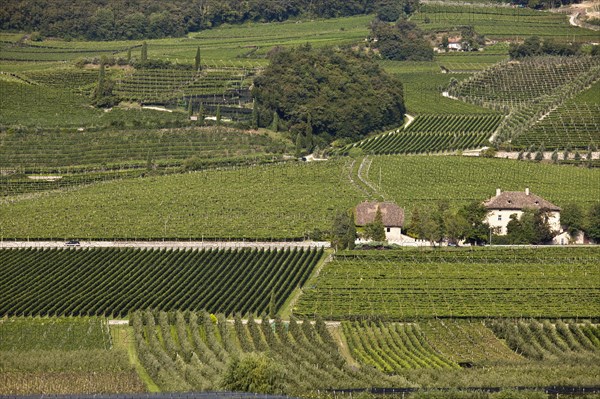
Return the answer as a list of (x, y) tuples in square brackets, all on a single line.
[(169, 244)]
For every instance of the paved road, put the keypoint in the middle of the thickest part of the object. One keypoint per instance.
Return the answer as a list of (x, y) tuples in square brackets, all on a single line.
[(167, 244)]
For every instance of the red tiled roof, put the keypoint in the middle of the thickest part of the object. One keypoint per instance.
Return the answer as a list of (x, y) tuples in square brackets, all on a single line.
[(392, 214)]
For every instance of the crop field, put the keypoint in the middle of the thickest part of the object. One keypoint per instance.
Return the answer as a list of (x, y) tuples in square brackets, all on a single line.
[(575, 124), (193, 354), (494, 283), (291, 201), (514, 83), (63, 355), (434, 133), (544, 340), (71, 150), (116, 282), (501, 23)]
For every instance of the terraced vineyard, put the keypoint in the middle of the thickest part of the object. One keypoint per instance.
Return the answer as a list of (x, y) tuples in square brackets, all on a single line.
[(405, 285), (545, 340), (192, 354), (434, 133), (513, 84), (575, 124), (129, 148), (115, 282), (501, 22), (229, 86), (391, 347)]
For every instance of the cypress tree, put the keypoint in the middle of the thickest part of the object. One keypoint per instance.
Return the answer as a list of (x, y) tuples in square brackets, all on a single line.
[(254, 124), (201, 114), (129, 55), (351, 233), (299, 144), (197, 60), (190, 107), (275, 123), (101, 79), (218, 114), (144, 52)]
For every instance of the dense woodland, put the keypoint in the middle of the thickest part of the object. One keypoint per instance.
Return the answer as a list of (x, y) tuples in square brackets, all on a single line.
[(324, 95), (136, 19)]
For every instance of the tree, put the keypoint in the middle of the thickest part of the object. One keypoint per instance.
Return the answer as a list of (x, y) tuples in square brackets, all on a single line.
[(445, 42), (571, 219), (455, 226), (129, 55), (376, 230), (593, 224), (197, 60), (531, 228), (477, 232), (218, 115), (103, 93), (275, 122), (424, 225), (253, 372), (201, 115), (254, 122), (343, 231), (555, 156), (190, 107), (299, 144), (144, 52)]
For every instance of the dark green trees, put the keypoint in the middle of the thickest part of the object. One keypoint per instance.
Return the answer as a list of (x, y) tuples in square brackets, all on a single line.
[(376, 230), (343, 231), (338, 94), (197, 60)]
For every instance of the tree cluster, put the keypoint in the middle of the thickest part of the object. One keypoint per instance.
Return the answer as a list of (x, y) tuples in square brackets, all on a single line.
[(402, 41), (324, 95), (343, 231), (534, 46), (442, 223), (543, 4), (574, 219), (531, 228), (137, 19)]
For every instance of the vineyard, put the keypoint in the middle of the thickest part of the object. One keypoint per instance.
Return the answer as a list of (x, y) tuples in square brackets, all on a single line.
[(292, 200), (434, 133), (63, 355), (413, 284), (227, 86), (189, 352), (575, 124), (500, 22), (544, 340), (55, 150), (514, 84), (118, 281)]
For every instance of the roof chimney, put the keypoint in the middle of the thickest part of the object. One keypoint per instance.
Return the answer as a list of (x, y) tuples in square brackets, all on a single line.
[(527, 191), (498, 192)]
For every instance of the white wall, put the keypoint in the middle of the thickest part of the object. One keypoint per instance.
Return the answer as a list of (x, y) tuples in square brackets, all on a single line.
[(394, 234)]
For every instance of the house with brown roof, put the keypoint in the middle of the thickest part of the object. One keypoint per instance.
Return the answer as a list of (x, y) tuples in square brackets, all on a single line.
[(504, 204), (392, 216)]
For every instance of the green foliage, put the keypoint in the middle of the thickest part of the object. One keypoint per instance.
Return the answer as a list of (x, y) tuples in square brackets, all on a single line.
[(144, 54), (376, 230), (343, 94), (572, 218), (402, 42), (593, 227), (533, 46), (343, 231), (198, 60), (531, 228), (253, 372)]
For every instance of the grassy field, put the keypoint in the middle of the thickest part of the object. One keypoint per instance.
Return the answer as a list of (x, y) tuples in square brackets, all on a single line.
[(277, 201)]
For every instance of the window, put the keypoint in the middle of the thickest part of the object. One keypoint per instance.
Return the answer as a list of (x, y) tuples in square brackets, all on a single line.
[(388, 229), (499, 218)]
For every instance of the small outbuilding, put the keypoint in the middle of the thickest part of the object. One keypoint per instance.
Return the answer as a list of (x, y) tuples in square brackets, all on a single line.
[(392, 216), (508, 203)]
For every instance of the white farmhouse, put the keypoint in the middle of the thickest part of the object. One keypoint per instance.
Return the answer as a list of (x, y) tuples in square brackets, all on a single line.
[(391, 214), (508, 203)]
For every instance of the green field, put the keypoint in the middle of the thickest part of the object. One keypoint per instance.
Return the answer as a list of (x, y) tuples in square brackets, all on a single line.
[(116, 282), (413, 284), (291, 201)]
